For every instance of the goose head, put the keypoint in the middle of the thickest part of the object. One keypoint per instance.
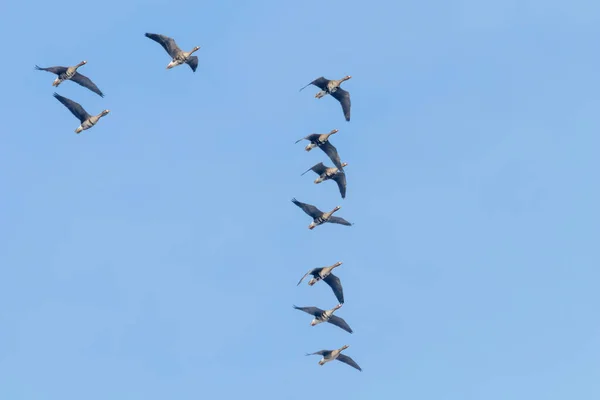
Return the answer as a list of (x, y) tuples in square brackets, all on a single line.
[(344, 347), (346, 78), (337, 264), (81, 63), (344, 164), (103, 113), (334, 210)]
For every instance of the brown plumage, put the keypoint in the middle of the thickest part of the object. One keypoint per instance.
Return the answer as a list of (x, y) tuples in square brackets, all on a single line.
[(333, 88), (320, 217), (321, 140), (327, 173)]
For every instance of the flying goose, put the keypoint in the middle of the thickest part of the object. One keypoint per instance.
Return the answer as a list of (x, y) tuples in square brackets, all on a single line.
[(319, 217), (326, 173), (333, 88), (325, 316), (330, 355), (325, 274), (322, 141), (179, 56), (87, 120), (70, 73)]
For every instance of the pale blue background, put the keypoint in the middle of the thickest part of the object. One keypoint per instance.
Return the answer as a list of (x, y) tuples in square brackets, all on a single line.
[(156, 255)]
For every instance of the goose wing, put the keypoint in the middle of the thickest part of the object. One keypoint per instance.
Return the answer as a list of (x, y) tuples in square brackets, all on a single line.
[(332, 153), (74, 107), (315, 311), (166, 42), (324, 353), (318, 168), (337, 321), (335, 284), (308, 208), (312, 137), (311, 272), (319, 82), (340, 179), (345, 359), (344, 98), (86, 83), (338, 220), (54, 70), (192, 61)]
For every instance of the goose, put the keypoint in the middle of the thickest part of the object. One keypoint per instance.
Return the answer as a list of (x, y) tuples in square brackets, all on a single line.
[(322, 141), (333, 88), (319, 217), (330, 355), (326, 173), (70, 73), (179, 56), (325, 316), (87, 120), (325, 274)]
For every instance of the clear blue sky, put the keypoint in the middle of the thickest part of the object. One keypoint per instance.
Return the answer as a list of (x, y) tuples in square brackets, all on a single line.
[(156, 255)]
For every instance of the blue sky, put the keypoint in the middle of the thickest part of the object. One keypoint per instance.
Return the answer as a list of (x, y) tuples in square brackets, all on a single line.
[(156, 255)]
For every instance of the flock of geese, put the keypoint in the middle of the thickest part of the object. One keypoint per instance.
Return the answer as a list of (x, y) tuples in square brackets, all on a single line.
[(336, 173)]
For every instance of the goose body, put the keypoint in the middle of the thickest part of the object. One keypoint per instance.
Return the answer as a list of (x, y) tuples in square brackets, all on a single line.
[(320, 217), (322, 141), (87, 120), (327, 173), (178, 56), (332, 87), (330, 355), (70, 73), (321, 316), (325, 274)]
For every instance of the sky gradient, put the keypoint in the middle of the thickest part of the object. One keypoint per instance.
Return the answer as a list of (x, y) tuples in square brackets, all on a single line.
[(156, 255)]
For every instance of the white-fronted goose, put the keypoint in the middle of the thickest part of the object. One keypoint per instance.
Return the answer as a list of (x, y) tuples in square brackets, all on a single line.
[(322, 141), (325, 316), (87, 120), (70, 73), (333, 88), (178, 56), (326, 173), (330, 355), (320, 217), (325, 274)]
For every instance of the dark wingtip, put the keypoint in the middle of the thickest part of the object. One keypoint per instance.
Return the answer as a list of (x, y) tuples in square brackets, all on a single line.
[(36, 67)]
